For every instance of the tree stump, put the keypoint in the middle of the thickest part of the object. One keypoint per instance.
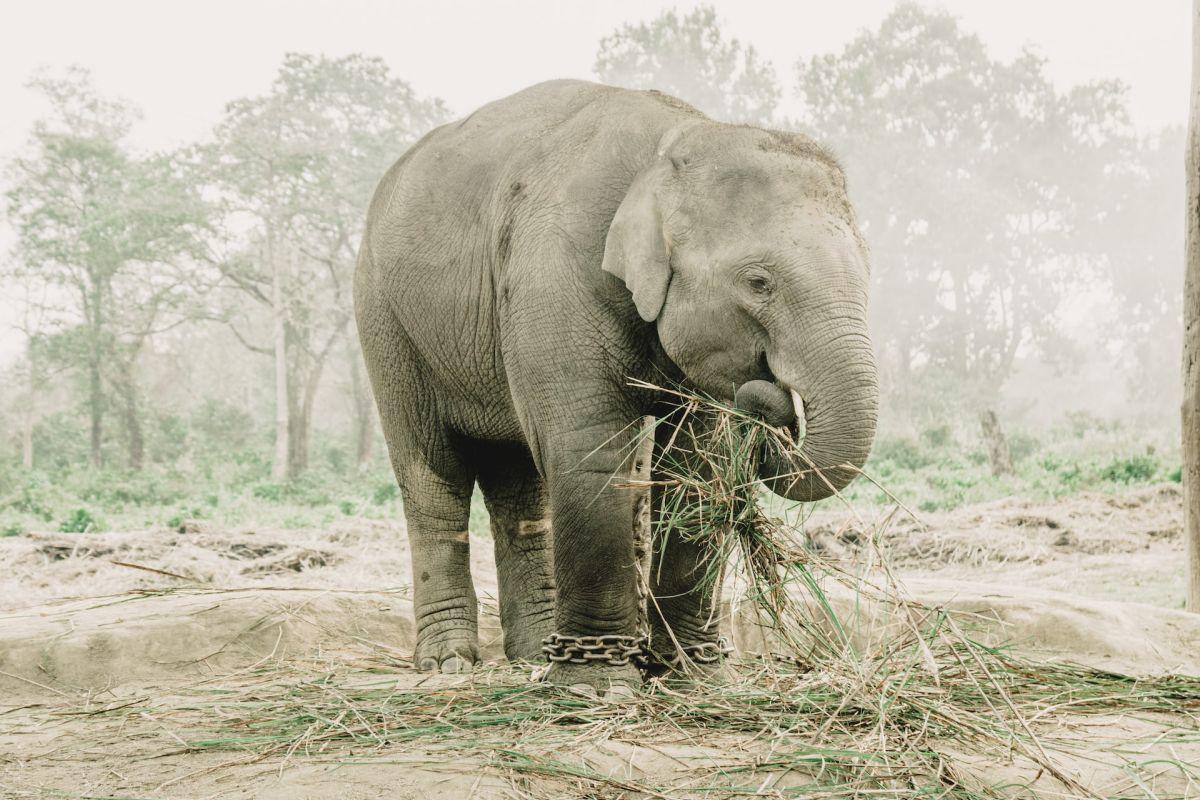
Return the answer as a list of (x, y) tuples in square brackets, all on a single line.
[(997, 445)]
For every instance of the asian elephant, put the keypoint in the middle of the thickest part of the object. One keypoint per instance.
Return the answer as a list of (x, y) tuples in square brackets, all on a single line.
[(519, 267)]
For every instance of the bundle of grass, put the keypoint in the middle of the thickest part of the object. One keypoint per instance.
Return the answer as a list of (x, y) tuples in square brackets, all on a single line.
[(903, 672)]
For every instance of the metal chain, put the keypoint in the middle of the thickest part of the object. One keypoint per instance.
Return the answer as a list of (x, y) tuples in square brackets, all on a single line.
[(703, 653), (612, 649)]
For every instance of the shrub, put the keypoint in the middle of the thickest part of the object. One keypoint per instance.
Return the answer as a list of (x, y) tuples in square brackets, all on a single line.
[(81, 521), (903, 452), (939, 436), (219, 427), (385, 493), (1129, 470), (34, 496), (270, 491), (1022, 445)]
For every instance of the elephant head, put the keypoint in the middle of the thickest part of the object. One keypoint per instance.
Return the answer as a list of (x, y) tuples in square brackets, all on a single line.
[(740, 245)]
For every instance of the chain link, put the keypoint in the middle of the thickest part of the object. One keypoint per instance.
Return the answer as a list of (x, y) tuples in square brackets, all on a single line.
[(703, 653), (612, 649)]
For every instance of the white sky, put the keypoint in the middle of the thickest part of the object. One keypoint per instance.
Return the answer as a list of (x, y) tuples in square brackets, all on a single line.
[(180, 62)]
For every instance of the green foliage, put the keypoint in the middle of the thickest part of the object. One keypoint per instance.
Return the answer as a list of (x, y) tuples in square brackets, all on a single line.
[(1133, 469), (60, 440), (218, 425), (900, 453), (81, 520), (385, 492), (1022, 445), (33, 494), (938, 436), (1107, 457)]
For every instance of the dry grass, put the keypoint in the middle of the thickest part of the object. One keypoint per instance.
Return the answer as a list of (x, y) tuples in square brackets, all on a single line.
[(890, 699)]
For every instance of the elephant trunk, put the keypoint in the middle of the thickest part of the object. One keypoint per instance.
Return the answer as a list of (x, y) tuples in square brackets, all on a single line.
[(835, 412)]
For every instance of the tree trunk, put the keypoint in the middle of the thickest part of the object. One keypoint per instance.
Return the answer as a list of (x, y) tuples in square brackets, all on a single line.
[(997, 445), (1190, 409), (96, 410), (279, 467), (302, 414), (30, 410), (364, 412), (132, 418), (298, 427)]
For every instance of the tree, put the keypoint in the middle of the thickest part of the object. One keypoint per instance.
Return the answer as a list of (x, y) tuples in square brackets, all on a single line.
[(107, 234), (689, 58), (974, 179), (1191, 340), (295, 169)]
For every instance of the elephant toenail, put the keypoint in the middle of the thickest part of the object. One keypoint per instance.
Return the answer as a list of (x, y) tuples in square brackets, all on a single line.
[(428, 665), (583, 690), (620, 693), (454, 665)]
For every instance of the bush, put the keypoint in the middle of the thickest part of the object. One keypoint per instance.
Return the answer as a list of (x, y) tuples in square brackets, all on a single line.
[(35, 496), (114, 489), (1135, 469), (81, 521), (60, 441), (904, 452), (385, 493), (274, 492), (1022, 445), (219, 427), (937, 437), (167, 438)]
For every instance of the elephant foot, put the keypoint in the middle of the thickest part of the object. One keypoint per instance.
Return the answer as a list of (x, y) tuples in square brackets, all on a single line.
[(454, 654), (523, 639), (604, 682), (700, 662), (688, 675)]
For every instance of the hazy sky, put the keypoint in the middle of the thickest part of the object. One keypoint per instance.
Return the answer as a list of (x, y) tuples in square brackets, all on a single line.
[(180, 62)]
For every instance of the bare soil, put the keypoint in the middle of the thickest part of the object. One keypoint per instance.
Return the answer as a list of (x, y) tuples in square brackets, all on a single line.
[(89, 622)]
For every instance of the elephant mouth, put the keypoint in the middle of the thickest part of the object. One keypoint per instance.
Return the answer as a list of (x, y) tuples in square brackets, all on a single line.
[(776, 405)]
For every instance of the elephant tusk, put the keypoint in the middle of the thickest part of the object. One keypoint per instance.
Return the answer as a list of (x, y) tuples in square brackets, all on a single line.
[(798, 407)]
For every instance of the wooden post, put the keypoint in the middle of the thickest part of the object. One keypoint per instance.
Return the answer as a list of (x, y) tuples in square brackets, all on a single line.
[(1190, 409), (643, 544)]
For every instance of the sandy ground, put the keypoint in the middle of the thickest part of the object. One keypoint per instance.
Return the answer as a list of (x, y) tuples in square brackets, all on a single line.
[(91, 622)]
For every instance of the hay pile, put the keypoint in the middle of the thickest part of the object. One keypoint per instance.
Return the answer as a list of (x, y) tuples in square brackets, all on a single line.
[(891, 699)]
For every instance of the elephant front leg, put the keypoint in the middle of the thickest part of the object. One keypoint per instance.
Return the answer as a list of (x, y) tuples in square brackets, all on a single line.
[(597, 631), (684, 610), (515, 498)]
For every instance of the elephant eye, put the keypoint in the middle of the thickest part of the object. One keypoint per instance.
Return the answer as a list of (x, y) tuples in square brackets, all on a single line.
[(759, 284)]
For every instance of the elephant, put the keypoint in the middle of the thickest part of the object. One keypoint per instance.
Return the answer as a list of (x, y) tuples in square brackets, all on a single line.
[(522, 267)]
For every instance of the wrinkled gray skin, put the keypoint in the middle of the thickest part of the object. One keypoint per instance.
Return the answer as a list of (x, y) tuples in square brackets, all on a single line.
[(519, 267)]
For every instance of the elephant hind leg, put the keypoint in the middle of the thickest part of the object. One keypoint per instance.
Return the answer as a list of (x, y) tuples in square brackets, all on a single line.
[(516, 501), (435, 484), (437, 506)]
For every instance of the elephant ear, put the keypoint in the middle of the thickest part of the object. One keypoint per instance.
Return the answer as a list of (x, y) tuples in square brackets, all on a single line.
[(637, 250)]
